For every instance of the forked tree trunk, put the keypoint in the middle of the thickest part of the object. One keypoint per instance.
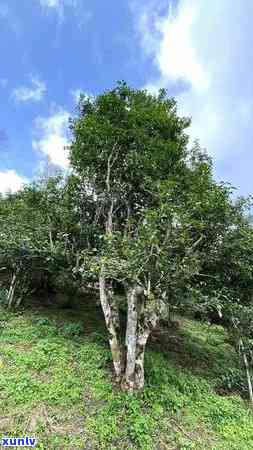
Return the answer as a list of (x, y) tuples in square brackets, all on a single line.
[(138, 329), (140, 322), (112, 323), (128, 382)]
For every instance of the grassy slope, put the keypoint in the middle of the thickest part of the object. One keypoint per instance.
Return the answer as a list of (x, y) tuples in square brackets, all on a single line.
[(56, 384)]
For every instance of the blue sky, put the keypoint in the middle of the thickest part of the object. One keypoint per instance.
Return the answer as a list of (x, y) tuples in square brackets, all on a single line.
[(200, 50)]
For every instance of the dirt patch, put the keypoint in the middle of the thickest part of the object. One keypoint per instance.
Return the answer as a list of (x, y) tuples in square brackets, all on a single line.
[(55, 422), (6, 423)]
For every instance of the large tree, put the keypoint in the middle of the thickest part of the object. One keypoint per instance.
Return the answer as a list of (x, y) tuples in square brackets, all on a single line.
[(157, 206)]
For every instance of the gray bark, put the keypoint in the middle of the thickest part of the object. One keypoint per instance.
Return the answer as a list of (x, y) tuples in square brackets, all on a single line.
[(112, 323), (141, 319), (108, 304), (131, 339), (139, 363), (11, 291), (145, 326)]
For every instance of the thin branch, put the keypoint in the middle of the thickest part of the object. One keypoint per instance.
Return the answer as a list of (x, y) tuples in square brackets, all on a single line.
[(195, 244)]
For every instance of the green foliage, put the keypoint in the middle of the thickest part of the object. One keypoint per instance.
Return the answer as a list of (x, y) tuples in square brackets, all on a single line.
[(140, 426), (139, 135), (42, 230), (234, 381), (171, 221), (74, 329)]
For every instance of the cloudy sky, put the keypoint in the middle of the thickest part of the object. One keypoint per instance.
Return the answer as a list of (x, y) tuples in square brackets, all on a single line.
[(200, 50)]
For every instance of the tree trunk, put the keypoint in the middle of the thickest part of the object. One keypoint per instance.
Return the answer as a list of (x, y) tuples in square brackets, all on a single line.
[(112, 323), (247, 369), (131, 339), (110, 308), (11, 291), (140, 354), (147, 321)]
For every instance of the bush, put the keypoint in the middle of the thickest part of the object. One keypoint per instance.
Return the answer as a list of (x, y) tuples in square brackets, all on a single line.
[(234, 381), (73, 329)]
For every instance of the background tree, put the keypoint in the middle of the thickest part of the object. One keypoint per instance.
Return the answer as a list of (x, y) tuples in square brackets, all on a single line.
[(41, 233)]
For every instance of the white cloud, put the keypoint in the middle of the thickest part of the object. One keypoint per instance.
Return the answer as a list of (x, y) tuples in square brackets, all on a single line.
[(33, 93), (10, 181), (51, 137), (203, 52), (177, 56)]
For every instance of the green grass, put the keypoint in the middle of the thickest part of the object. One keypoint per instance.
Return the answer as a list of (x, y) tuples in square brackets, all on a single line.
[(56, 383)]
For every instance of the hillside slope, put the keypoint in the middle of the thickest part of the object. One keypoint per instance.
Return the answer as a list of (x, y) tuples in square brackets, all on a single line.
[(56, 384)]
